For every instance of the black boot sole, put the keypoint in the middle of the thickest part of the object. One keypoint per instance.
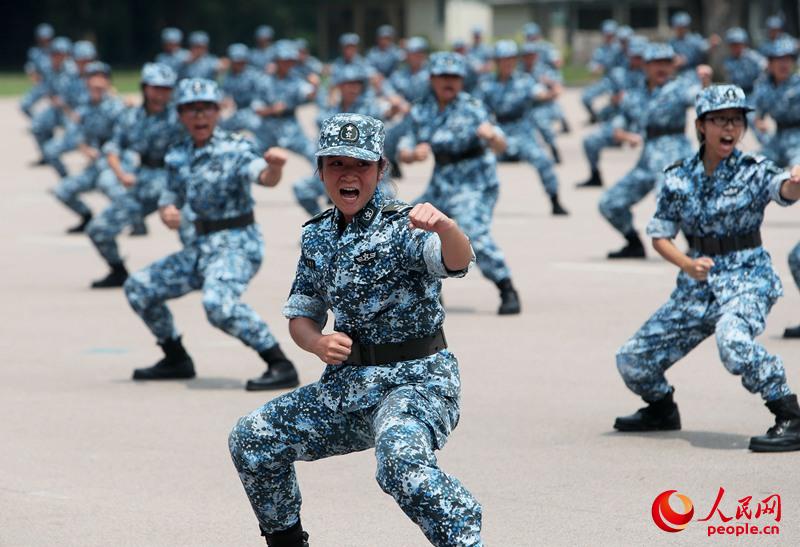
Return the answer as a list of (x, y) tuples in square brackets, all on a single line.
[(632, 428), (288, 383), (143, 375), (756, 446)]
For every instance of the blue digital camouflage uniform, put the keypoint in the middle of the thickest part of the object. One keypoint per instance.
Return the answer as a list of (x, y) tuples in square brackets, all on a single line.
[(659, 110), (605, 57), (214, 181), (206, 66), (176, 58), (149, 136), (309, 190), (619, 80), (692, 47), (94, 128), (262, 55), (741, 287), (465, 190), (242, 88), (37, 66), (381, 281), (510, 102), (781, 102), (545, 113), (308, 64), (386, 60)]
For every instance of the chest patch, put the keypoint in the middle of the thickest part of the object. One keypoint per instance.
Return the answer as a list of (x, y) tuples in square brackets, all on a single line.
[(366, 257)]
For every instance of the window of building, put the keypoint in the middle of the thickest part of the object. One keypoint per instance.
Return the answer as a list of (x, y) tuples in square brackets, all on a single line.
[(644, 17), (591, 18)]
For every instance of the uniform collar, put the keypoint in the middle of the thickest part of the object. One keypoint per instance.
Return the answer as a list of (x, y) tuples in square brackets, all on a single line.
[(724, 170), (365, 217)]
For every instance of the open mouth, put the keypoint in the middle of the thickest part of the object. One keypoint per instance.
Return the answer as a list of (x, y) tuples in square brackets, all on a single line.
[(201, 127), (726, 141), (349, 194)]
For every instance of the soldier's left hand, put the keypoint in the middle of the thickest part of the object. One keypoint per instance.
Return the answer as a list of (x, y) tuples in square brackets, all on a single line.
[(705, 72), (486, 131), (276, 157), (427, 217), (794, 175), (170, 216)]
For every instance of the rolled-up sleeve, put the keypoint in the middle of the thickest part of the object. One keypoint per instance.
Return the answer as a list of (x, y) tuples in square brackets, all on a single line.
[(423, 252), (774, 189), (304, 301), (665, 223)]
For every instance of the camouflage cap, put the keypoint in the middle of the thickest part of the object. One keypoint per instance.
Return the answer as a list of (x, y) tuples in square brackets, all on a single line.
[(657, 51), (351, 135), (609, 26), (171, 35), (264, 32), (416, 44), (385, 31), (158, 74), (736, 35), (301, 43), (720, 97), (783, 46), (353, 72), (477, 29), (237, 52), (97, 67), (84, 50), (447, 62), (531, 30), (61, 45), (774, 22), (286, 50), (349, 39), (624, 33), (680, 19), (197, 90), (637, 46), (505, 48), (44, 31), (459, 43), (198, 38)]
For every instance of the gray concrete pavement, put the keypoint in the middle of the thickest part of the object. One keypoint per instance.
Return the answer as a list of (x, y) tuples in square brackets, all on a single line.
[(90, 458)]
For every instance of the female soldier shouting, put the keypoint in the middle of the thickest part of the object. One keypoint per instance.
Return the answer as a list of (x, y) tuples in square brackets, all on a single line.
[(727, 285), (390, 383)]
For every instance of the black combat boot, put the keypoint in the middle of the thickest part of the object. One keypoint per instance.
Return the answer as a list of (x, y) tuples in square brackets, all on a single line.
[(557, 208), (792, 332), (280, 373), (634, 248), (394, 170), (785, 434), (565, 128), (594, 181), (80, 228), (661, 415), (291, 537), (175, 365), (509, 299), (556, 154), (115, 278), (138, 229)]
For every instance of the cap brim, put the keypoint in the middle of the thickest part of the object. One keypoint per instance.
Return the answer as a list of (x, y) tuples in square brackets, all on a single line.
[(350, 152), (725, 106), (447, 73)]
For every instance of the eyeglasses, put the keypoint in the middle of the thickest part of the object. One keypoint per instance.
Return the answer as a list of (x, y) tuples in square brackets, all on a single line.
[(722, 121), (195, 109)]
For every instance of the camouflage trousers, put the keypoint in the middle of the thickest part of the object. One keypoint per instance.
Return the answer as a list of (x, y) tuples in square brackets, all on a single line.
[(130, 207), (794, 264), (44, 124), (405, 428), (690, 316), (523, 145), (594, 143), (658, 154), (96, 176), (220, 265), (33, 96), (543, 117), (57, 146), (472, 209), (592, 91)]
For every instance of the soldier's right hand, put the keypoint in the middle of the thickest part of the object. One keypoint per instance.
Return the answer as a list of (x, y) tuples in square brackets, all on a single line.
[(699, 267), (170, 216), (127, 179), (333, 348), (422, 151)]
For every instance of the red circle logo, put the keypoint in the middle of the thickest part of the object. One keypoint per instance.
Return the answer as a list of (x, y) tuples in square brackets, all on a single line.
[(667, 518)]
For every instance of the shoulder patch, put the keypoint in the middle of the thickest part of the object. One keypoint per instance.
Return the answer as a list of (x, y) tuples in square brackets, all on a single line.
[(673, 166), (755, 158), (320, 216), (395, 208)]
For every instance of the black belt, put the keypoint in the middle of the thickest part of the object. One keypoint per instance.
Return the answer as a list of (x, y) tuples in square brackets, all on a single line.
[(788, 125), (655, 132), (285, 114), (151, 162), (508, 118), (449, 159), (723, 245), (205, 227), (386, 354)]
